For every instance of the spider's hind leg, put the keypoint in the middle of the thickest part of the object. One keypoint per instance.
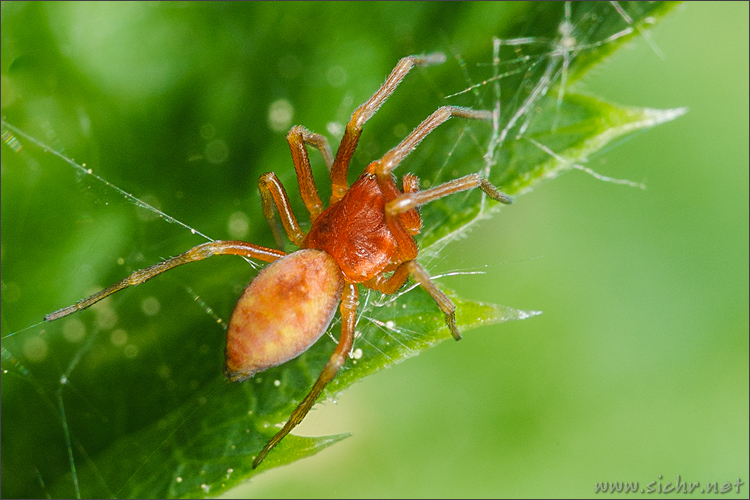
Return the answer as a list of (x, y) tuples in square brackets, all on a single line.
[(348, 308), (195, 254)]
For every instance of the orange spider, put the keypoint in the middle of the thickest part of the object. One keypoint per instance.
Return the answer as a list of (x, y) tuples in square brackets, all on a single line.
[(365, 236)]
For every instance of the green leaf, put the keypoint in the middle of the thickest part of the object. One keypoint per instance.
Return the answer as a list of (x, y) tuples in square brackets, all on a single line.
[(126, 399)]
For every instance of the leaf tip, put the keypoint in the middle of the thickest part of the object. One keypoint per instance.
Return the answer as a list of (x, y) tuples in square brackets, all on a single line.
[(501, 314), (653, 117)]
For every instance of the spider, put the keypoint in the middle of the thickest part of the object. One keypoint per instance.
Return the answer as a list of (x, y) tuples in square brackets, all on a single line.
[(365, 236)]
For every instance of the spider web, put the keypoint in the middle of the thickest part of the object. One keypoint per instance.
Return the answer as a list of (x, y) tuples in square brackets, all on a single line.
[(42, 360)]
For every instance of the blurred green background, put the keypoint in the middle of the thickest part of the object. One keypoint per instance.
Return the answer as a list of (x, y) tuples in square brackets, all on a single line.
[(636, 371)]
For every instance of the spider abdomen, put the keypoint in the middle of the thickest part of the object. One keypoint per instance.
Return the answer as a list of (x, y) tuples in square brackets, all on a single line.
[(282, 312)]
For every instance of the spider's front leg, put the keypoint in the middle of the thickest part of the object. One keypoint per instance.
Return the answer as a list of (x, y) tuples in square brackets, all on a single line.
[(298, 137), (400, 205), (396, 155), (364, 112), (409, 201), (272, 192), (414, 198)]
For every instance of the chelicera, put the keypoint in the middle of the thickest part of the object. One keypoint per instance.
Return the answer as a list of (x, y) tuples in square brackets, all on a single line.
[(365, 237)]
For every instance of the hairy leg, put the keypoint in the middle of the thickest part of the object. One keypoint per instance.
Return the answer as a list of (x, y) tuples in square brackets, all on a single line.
[(396, 155), (414, 269), (197, 253), (348, 318), (364, 112), (273, 192), (297, 138), (409, 201)]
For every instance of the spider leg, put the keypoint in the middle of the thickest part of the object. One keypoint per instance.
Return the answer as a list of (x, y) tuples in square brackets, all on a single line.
[(392, 283), (348, 317), (410, 183), (197, 253), (409, 201), (365, 112), (422, 277), (396, 155), (317, 141), (297, 137), (411, 219), (445, 304), (272, 192)]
